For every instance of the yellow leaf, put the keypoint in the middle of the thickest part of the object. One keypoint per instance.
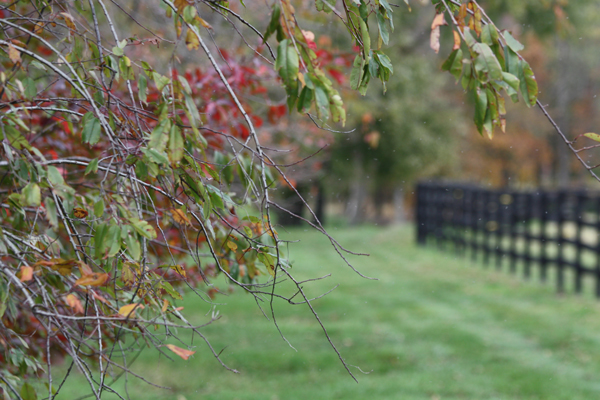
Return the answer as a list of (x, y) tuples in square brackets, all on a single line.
[(179, 269), (74, 303), (39, 28), (593, 136), (165, 305), (180, 217), (191, 40), (14, 54), (232, 245), (128, 311), (26, 273), (68, 20), (95, 279), (183, 353)]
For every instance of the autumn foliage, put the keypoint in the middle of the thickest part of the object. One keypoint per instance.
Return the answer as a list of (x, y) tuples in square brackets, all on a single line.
[(125, 184)]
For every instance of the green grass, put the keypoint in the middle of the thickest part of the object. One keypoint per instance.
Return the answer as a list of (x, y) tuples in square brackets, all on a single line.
[(433, 326)]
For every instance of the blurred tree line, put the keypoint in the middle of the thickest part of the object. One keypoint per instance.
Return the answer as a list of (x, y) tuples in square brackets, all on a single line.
[(421, 127)]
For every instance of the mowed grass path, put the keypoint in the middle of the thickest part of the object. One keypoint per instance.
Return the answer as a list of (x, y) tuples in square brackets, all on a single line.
[(434, 326)]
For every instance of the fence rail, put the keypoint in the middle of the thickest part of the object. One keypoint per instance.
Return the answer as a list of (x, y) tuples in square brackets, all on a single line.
[(557, 232)]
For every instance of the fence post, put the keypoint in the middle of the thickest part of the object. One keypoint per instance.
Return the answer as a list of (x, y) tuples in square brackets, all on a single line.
[(543, 231), (560, 272), (579, 200)]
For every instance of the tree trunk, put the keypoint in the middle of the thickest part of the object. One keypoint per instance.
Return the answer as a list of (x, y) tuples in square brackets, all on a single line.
[(355, 207)]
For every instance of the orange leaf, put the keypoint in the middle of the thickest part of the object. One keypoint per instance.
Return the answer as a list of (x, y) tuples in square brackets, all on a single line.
[(60, 265), (98, 297), (434, 40), (180, 217), (165, 305), (95, 279), (26, 273), (80, 213), (456, 41), (183, 353), (204, 23), (128, 311), (84, 268), (74, 303)]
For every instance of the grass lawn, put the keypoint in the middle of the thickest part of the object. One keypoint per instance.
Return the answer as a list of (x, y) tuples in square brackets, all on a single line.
[(433, 326)]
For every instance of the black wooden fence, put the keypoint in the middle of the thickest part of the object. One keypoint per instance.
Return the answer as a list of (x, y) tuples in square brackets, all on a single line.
[(555, 231)]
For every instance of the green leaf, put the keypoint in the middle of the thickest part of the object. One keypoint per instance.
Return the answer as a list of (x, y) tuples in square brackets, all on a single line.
[(117, 51), (92, 167), (54, 176), (189, 13), (383, 28), (366, 39), (357, 72), (91, 129), (142, 87), (489, 35), (513, 62), (99, 238), (15, 138), (305, 99), (481, 102), (175, 144), (373, 67), (454, 63), (469, 39), (32, 195), (322, 101), (143, 228), (51, 215), (274, 22), (156, 156), (384, 61), (113, 240), (4, 291), (30, 89), (133, 247), (99, 208), (28, 392), (486, 62), (38, 65), (167, 287), (158, 138), (529, 86), (193, 114), (321, 6), (513, 86), (287, 64), (512, 43)]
